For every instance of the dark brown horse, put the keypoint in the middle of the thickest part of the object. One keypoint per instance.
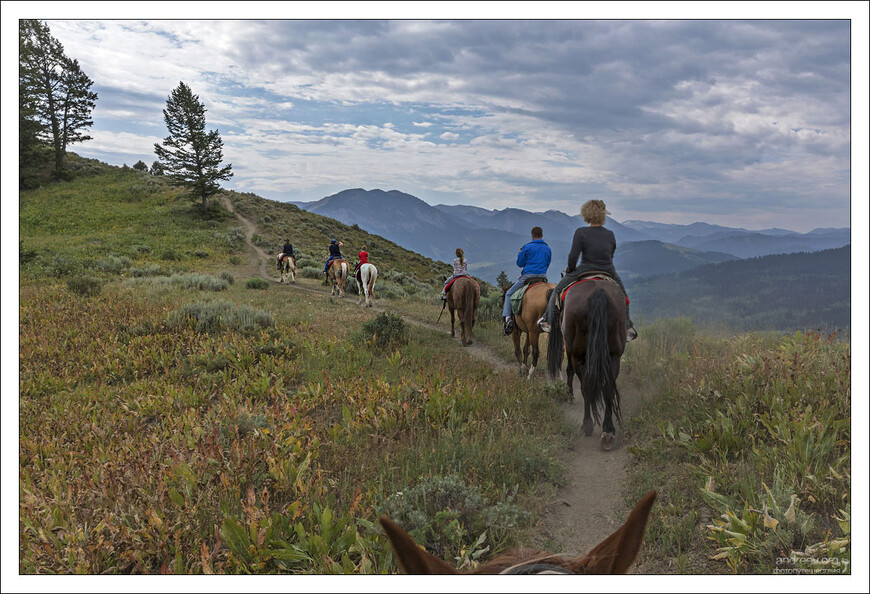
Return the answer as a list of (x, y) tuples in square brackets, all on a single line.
[(464, 297), (613, 555), (592, 322), (526, 322)]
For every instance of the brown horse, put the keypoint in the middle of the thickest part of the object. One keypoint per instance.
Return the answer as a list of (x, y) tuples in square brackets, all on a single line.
[(288, 269), (613, 555), (337, 275), (464, 297), (592, 321), (526, 322)]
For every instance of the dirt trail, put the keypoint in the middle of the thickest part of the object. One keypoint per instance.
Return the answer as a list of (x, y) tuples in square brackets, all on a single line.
[(589, 507)]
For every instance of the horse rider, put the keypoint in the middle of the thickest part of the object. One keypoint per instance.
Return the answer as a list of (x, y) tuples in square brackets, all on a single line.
[(596, 244), (534, 259), (334, 253), (363, 259), (287, 250), (460, 268)]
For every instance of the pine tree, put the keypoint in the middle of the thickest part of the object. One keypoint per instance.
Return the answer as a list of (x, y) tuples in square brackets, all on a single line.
[(502, 280), (190, 156), (54, 92)]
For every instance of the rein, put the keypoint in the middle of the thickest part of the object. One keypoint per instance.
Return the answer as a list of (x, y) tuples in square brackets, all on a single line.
[(443, 307)]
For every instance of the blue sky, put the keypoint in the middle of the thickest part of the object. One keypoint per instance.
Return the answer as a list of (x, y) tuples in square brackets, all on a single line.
[(744, 123)]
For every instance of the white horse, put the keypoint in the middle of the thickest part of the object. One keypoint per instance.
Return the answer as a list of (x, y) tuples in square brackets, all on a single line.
[(288, 269), (368, 274)]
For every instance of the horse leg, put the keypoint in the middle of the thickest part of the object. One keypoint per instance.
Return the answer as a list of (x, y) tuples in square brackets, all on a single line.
[(569, 373), (452, 323), (515, 336), (534, 336)]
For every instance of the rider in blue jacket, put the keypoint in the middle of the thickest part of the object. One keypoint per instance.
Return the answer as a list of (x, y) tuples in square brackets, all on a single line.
[(534, 259)]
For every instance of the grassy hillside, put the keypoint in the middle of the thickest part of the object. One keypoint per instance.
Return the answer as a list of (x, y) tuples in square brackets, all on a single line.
[(176, 418), (110, 218)]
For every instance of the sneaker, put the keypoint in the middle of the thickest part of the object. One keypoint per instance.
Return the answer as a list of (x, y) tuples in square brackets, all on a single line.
[(630, 334), (508, 326), (543, 325), (443, 296)]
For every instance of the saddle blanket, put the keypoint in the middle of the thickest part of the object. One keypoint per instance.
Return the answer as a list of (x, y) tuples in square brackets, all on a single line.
[(450, 284), (517, 298), (583, 280)]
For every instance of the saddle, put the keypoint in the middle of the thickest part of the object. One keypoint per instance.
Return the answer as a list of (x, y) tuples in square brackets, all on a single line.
[(586, 276), (450, 284), (517, 297)]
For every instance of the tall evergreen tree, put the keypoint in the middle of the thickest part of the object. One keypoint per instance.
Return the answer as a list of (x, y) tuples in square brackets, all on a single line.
[(191, 156), (54, 92)]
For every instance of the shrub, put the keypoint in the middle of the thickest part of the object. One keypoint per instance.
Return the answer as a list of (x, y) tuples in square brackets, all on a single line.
[(257, 283), (170, 255), (113, 264), (85, 286), (218, 315), (311, 272), (451, 519), (151, 270), (228, 277), (385, 330)]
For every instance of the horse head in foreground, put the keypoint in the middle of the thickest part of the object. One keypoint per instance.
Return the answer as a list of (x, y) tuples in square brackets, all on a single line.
[(464, 297), (365, 282), (337, 275), (613, 555), (591, 331), (288, 269)]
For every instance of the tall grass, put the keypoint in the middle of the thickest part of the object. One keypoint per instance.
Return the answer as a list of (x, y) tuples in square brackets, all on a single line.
[(751, 436), (158, 435)]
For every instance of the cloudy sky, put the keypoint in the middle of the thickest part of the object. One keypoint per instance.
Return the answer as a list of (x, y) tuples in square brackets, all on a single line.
[(743, 123)]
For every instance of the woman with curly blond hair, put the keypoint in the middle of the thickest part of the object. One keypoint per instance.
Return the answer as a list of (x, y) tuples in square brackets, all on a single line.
[(595, 246)]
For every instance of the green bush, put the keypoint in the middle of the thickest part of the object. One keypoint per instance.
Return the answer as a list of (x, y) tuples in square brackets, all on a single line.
[(385, 330), (228, 277), (452, 519), (257, 283), (112, 264), (86, 286), (217, 316)]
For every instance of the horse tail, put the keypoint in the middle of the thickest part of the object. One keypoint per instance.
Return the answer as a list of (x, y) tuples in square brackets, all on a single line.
[(555, 348), (598, 382)]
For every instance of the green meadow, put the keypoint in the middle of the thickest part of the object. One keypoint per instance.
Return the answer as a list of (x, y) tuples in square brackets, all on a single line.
[(176, 417)]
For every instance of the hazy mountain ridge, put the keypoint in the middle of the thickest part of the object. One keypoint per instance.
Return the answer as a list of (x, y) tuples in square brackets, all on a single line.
[(491, 239)]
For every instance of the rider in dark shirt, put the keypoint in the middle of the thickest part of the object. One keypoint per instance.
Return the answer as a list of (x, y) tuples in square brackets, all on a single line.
[(595, 246), (334, 253)]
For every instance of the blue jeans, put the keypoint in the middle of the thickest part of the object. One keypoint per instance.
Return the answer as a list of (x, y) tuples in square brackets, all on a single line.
[(506, 310)]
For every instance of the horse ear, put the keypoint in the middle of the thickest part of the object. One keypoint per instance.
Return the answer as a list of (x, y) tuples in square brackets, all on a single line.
[(412, 558), (617, 552)]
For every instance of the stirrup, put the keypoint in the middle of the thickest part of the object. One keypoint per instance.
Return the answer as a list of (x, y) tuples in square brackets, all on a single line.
[(508, 326), (630, 334)]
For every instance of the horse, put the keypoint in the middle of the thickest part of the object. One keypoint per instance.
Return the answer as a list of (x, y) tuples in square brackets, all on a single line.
[(464, 297), (526, 322), (613, 555), (337, 275), (593, 322), (366, 277), (288, 268)]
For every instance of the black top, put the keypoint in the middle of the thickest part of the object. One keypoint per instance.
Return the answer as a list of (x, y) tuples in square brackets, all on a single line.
[(596, 245), (288, 249), (334, 250)]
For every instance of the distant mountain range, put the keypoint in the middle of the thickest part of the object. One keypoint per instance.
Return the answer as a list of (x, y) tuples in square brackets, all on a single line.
[(492, 238), (785, 292)]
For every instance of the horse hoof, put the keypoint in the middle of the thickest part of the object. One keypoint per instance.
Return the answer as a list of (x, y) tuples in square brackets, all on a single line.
[(607, 441), (587, 429)]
